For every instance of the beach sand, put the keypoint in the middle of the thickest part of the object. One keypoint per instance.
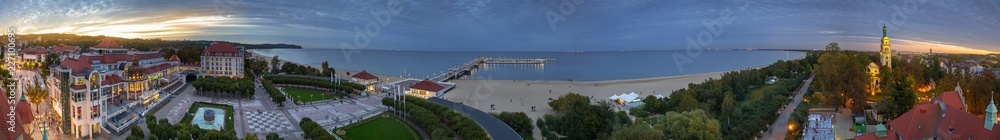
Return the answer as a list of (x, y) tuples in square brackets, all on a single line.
[(521, 95)]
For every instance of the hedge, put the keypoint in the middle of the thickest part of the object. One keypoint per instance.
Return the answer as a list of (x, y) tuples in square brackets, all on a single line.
[(276, 95), (321, 83), (423, 118), (464, 125), (313, 130)]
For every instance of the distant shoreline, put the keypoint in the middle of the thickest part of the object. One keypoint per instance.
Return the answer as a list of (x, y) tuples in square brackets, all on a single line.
[(342, 73)]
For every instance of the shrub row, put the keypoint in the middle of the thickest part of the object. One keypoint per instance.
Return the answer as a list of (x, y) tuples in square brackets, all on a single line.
[(313, 130), (423, 118), (464, 125), (276, 95), (321, 83), (225, 84)]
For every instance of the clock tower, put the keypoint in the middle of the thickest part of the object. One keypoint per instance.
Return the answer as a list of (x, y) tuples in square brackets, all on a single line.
[(886, 52)]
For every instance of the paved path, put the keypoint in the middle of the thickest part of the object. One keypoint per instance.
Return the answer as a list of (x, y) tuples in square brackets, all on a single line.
[(493, 126), (780, 126)]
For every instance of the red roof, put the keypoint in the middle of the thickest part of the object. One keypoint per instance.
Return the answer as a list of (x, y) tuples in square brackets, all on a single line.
[(24, 112), (76, 65), (917, 123), (175, 58), (35, 50), (364, 75), (108, 43), (218, 48), (156, 68), (18, 129), (952, 98), (427, 85), (78, 87), (111, 79), (942, 120), (64, 47)]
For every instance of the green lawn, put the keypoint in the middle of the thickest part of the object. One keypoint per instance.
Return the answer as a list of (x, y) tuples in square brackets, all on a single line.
[(303, 95), (194, 107), (382, 129)]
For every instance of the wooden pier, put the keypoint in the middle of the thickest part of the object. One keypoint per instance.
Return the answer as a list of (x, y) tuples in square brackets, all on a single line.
[(467, 67)]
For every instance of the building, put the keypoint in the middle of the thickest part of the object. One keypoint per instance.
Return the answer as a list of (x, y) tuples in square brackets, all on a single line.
[(33, 55), (942, 118), (426, 89), (222, 59), (886, 51), (15, 124), (873, 83), (104, 90), (365, 78)]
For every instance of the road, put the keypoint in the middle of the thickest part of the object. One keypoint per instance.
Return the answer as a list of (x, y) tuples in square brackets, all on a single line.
[(780, 126), (493, 126)]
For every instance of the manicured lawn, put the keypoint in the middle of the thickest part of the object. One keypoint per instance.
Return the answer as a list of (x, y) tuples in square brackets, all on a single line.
[(303, 95), (194, 107), (382, 129)]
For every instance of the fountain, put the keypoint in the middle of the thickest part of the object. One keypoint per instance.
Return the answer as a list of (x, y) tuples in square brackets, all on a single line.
[(209, 115), (205, 118)]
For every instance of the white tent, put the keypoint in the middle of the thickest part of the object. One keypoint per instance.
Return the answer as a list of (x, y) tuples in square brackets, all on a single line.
[(631, 97), (614, 97)]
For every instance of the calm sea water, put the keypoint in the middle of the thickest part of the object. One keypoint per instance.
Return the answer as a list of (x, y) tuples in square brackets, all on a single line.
[(576, 66)]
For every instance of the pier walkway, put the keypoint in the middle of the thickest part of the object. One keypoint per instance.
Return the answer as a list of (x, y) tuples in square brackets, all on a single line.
[(468, 67)]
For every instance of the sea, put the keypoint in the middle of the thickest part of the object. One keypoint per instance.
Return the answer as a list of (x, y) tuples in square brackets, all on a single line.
[(568, 66)]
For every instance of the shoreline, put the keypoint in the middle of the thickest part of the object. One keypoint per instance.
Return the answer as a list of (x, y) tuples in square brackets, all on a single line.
[(341, 72), (522, 95)]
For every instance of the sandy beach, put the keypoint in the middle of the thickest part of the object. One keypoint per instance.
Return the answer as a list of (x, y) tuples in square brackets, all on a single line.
[(341, 73), (521, 95)]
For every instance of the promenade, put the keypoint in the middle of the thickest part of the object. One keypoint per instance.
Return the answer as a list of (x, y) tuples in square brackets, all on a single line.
[(778, 130)]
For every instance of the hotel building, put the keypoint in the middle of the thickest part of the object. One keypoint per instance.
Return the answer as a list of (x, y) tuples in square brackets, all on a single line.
[(108, 88), (222, 59)]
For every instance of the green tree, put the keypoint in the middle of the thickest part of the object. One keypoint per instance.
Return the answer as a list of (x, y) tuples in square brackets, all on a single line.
[(566, 102), (250, 136), (274, 136), (274, 64), (654, 105), (900, 97), (691, 125), (637, 131), (843, 73), (36, 94)]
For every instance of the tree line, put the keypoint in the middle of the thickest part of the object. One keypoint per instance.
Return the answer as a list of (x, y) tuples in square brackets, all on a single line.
[(232, 86), (738, 105), (345, 86)]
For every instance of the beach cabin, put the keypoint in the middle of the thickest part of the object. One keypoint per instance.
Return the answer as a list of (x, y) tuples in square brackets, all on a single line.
[(426, 89), (626, 99), (367, 79)]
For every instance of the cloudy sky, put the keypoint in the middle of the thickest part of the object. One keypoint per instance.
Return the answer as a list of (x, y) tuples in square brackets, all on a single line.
[(964, 26)]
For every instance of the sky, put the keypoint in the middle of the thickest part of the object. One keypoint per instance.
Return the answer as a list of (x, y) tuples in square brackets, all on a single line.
[(948, 26)]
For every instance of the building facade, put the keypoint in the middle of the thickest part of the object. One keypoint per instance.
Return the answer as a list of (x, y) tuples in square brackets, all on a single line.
[(222, 59), (105, 89), (886, 51)]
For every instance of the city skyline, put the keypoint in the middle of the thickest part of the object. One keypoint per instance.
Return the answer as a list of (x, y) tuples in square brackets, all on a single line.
[(916, 26)]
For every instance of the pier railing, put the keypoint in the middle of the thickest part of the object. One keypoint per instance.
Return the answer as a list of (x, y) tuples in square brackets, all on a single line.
[(467, 67)]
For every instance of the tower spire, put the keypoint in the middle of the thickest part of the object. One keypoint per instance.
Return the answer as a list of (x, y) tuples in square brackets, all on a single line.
[(991, 114)]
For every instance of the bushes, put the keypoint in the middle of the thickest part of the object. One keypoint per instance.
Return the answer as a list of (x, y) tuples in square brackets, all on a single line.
[(320, 83), (518, 121), (464, 125), (224, 84), (276, 95), (423, 118), (314, 131)]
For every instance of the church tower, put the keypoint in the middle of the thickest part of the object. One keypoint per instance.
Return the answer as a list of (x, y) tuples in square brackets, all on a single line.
[(886, 52), (991, 114)]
